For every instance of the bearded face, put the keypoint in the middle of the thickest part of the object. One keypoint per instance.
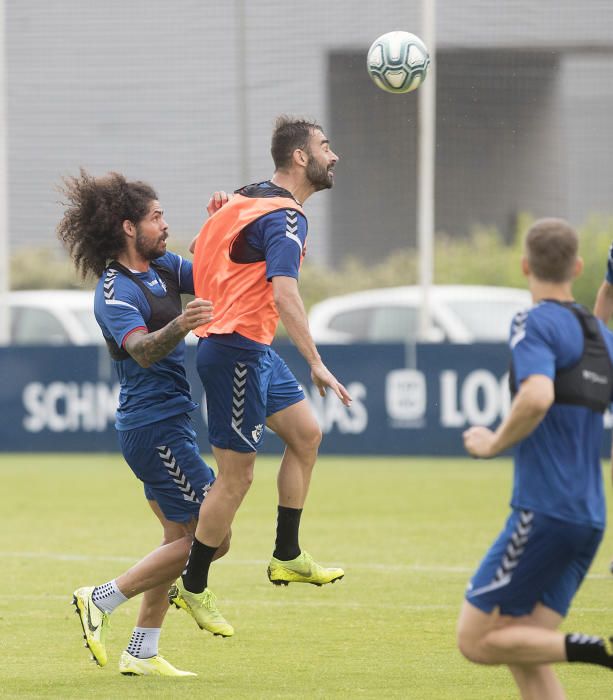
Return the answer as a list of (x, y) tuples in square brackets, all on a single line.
[(319, 172), (150, 247), (151, 233)]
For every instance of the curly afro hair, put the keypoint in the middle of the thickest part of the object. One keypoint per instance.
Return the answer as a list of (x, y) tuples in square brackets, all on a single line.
[(92, 226)]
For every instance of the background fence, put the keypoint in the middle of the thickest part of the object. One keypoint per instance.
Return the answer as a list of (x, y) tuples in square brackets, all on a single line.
[(63, 399)]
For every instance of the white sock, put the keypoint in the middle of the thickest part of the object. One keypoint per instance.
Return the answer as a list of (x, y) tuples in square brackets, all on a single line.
[(144, 642), (107, 596)]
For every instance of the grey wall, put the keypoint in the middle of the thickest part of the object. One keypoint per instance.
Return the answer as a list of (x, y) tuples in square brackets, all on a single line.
[(184, 93)]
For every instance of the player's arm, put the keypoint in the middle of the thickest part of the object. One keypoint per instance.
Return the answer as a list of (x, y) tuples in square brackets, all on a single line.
[(294, 317), (603, 308), (530, 405), (216, 202), (148, 348)]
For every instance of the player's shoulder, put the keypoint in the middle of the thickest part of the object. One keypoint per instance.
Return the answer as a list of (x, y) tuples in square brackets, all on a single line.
[(548, 312), (281, 223), (546, 319), (114, 286)]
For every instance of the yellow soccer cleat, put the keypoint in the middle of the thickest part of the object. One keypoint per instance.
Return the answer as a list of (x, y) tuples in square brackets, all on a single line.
[(202, 607), (302, 569), (94, 622), (154, 666)]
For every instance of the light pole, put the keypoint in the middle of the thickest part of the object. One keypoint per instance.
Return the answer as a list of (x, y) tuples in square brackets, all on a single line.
[(4, 217), (426, 144)]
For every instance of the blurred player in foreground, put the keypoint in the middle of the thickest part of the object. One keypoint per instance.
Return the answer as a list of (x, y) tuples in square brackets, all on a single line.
[(603, 309), (562, 381), (247, 259), (115, 230)]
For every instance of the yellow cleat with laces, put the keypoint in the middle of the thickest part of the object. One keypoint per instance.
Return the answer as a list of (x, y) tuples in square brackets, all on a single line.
[(302, 569), (202, 607), (94, 622)]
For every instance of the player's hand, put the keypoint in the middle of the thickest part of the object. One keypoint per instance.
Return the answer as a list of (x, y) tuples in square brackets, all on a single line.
[(322, 378), (479, 442), (216, 202), (196, 313)]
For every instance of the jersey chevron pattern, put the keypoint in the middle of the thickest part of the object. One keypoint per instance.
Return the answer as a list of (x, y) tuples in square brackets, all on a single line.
[(177, 475), (291, 227), (510, 559)]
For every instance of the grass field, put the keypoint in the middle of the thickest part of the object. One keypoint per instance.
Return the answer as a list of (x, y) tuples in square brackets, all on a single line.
[(408, 532)]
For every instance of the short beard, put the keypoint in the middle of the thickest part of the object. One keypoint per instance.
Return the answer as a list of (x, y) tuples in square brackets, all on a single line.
[(144, 247), (318, 175)]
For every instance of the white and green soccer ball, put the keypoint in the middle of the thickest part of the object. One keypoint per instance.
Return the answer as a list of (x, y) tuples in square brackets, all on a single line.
[(398, 62)]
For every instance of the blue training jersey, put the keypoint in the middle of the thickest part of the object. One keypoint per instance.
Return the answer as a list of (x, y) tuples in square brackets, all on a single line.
[(557, 467), (147, 395)]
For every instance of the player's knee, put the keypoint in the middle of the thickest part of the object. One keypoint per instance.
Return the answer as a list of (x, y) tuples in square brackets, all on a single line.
[(310, 437), (235, 482), (470, 647), (245, 479)]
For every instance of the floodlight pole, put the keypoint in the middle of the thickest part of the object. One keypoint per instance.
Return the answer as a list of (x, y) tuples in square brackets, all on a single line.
[(4, 218), (426, 143)]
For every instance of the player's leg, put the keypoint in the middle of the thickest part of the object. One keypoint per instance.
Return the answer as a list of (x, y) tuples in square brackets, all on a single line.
[(95, 604), (297, 427), (519, 595), (236, 415), (527, 644), (536, 682), (154, 604), (291, 418), (141, 657), (166, 458), (490, 638)]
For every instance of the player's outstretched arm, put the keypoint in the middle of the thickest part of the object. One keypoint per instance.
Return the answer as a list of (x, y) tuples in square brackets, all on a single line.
[(148, 348), (294, 317), (531, 403), (603, 308)]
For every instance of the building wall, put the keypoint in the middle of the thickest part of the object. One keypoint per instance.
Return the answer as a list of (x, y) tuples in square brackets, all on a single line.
[(184, 95)]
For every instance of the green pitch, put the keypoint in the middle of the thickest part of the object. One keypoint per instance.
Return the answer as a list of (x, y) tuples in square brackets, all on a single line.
[(407, 531)]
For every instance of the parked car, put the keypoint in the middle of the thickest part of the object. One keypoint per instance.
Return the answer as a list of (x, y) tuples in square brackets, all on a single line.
[(459, 314), (53, 317)]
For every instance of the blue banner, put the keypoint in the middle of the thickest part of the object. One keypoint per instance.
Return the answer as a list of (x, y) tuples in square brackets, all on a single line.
[(406, 400)]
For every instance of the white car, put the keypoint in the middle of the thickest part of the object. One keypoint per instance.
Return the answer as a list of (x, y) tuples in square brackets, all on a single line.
[(53, 317), (459, 314)]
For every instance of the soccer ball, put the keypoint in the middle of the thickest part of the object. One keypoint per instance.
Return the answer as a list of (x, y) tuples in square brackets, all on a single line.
[(398, 62)]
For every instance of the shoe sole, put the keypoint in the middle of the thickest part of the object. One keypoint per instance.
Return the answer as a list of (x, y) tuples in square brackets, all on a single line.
[(151, 675), (75, 602), (204, 629), (285, 582)]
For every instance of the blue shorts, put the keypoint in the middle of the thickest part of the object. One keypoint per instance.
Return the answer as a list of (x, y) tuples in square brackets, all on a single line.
[(536, 559), (243, 386), (166, 458)]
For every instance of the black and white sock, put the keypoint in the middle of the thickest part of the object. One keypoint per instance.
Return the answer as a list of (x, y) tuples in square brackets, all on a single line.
[(108, 596), (144, 642)]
